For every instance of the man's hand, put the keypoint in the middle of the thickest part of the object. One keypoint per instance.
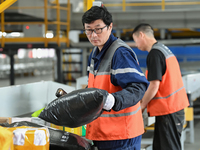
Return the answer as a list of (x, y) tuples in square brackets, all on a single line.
[(110, 101), (143, 106)]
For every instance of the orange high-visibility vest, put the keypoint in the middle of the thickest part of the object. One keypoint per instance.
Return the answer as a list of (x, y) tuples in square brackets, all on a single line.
[(123, 124), (171, 96)]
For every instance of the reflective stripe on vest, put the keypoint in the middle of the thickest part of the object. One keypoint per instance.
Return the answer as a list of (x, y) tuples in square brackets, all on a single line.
[(113, 125), (121, 115), (171, 96), (117, 71)]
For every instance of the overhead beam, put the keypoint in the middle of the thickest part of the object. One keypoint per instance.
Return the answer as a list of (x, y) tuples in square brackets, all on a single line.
[(6, 4), (158, 19)]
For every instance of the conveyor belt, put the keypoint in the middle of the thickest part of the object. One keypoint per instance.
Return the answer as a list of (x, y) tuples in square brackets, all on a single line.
[(24, 99)]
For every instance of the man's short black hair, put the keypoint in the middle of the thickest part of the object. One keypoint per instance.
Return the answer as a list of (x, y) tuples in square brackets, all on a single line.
[(95, 13), (144, 27)]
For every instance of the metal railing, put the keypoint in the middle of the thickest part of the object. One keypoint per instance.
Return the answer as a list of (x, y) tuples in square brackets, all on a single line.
[(45, 40), (162, 3)]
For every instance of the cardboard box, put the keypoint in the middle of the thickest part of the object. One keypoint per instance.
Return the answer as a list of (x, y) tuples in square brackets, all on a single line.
[(83, 86), (5, 120), (14, 119)]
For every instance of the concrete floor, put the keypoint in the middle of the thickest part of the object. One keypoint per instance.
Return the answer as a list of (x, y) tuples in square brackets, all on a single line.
[(49, 77)]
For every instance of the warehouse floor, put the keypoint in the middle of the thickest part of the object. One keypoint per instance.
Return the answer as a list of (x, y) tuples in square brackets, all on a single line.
[(196, 144), (49, 77)]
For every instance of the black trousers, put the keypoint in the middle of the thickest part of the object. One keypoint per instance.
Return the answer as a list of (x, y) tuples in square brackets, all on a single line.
[(167, 132)]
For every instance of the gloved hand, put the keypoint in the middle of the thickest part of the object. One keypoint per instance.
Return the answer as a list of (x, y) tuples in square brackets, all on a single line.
[(110, 101)]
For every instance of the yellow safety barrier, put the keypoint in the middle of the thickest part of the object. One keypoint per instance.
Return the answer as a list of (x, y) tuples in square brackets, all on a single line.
[(189, 115), (151, 127)]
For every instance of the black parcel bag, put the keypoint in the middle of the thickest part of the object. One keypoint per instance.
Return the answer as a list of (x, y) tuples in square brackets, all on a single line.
[(76, 108), (59, 140)]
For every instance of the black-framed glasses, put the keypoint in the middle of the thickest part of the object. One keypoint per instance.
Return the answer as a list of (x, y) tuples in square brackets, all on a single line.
[(97, 30)]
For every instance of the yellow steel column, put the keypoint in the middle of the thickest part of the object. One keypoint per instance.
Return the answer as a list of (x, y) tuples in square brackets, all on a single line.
[(2, 28), (68, 21), (84, 5), (89, 4), (58, 22), (69, 75), (45, 22), (6, 4), (124, 5), (163, 4)]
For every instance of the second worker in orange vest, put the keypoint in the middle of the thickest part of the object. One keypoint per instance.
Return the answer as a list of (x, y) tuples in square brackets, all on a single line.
[(165, 97)]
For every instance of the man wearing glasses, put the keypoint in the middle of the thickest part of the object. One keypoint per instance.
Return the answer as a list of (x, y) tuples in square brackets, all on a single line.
[(113, 66)]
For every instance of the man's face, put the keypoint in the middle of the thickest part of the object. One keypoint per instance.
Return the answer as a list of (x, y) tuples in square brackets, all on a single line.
[(98, 39), (139, 40)]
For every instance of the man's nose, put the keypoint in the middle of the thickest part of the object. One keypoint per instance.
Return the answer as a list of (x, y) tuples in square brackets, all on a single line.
[(94, 33)]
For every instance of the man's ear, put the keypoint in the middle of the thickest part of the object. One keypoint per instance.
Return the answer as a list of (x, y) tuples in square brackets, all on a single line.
[(141, 34), (111, 26)]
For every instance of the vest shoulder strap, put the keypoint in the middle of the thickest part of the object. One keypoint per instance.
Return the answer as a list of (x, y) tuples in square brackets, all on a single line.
[(164, 49), (105, 65)]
